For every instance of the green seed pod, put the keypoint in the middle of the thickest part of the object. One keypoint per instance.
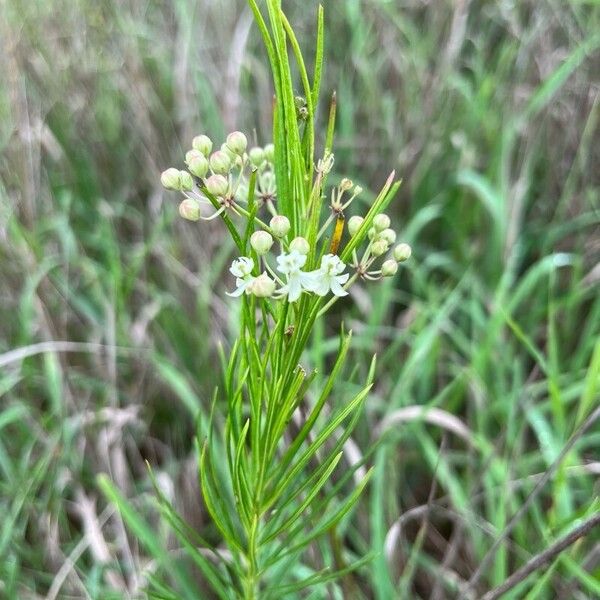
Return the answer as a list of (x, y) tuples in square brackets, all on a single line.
[(402, 252), (220, 162), (389, 235), (300, 244), (381, 222), (171, 179), (198, 165), (261, 241), (257, 156), (187, 182), (190, 209), (354, 224), (280, 226), (217, 185), (389, 268), (379, 247), (203, 144), (237, 142)]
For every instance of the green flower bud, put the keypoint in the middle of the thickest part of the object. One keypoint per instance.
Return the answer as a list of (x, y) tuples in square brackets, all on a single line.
[(198, 165), (217, 185), (381, 222), (402, 252), (262, 286), (220, 162), (203, 144), (171, 179), (280, 226), (237, 142), (357, 190), (389, 235), (187, 182), (190, 209), (261, 241), (379, 247), (230, 153), (257, 156), (372, 233), (389, 268), (191, 154), (354, 224), (270, 152), (300, 244)]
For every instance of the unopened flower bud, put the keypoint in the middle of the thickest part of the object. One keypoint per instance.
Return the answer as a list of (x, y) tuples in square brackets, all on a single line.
[(372, 233), (389, 268), (187, 183), (280, 226), (198, 165), (262, 286), (237, 142), (203, 144), (402, 252), (171, 179), (270, 152), (220, 162), (381, 222), (190, 209), (230, 153), (217, 185), (191, 154), (300, 244), (346, 184), (379, 247), (354, 224), (261, 241), (357, 190), (389, 235), (257, 156)]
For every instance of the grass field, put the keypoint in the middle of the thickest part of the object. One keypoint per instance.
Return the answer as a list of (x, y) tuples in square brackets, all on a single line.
[(483, 426)]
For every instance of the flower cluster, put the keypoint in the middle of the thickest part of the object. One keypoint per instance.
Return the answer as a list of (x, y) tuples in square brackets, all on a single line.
[(221, 179), (224, 175), (289, 273)]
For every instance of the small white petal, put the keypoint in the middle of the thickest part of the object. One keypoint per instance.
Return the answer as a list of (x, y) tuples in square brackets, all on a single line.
[(295, 289), (242, 285), (321, 287), (337, 289)]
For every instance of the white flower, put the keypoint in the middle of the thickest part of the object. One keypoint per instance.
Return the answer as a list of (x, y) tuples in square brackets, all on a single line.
[(242, 269), (329, 277), (290, 265)]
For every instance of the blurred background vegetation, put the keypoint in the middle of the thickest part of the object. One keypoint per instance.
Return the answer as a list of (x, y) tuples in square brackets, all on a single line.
[(112, 308)]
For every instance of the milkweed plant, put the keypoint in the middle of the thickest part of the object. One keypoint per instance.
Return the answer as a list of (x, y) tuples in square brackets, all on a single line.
[(269, 478)]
